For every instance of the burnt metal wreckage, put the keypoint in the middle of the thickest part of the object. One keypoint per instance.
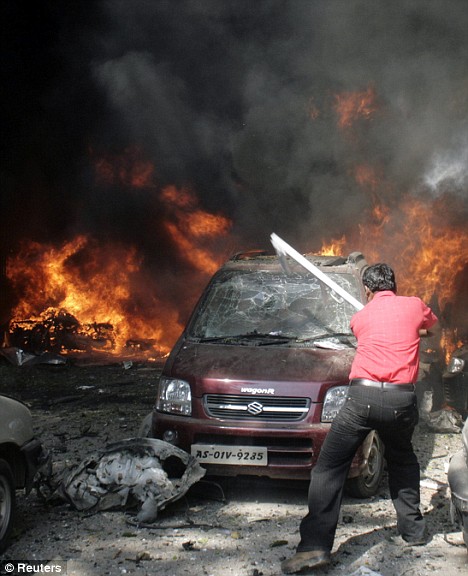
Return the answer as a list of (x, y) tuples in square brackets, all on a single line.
[(57, 334), (56, 330), (143, 475)]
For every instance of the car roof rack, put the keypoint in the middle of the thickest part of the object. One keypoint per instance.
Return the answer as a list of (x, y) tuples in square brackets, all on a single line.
[(355, 258)]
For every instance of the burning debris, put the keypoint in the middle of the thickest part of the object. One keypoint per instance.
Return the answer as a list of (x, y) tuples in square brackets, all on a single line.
[(57, 332), (137, 473)]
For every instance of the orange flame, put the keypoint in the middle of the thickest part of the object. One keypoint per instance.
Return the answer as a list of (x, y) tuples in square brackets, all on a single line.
[(353, 106), (128, 169), (103, 287), (90, 283), (432, 250), (426, 252), (367, 177), (333, 248), (194, 230)]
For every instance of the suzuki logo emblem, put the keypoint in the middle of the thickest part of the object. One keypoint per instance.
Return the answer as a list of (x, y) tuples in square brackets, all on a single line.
[(255, 408)]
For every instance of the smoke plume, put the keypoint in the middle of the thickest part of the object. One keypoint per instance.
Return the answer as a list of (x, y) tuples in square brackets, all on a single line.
[(236, 101)]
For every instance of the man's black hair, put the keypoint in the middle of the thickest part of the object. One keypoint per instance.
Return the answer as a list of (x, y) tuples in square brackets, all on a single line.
[(379, 277)]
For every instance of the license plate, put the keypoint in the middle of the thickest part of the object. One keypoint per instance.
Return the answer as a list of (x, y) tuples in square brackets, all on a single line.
[(235, 455)]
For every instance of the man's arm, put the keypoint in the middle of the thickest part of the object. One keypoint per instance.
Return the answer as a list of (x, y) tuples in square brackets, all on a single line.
[(429, 317)]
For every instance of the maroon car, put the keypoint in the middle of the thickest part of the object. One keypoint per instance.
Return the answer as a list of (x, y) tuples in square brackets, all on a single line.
[(261, 369)]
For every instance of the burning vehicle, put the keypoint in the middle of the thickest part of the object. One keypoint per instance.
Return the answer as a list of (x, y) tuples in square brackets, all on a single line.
[(22, 455), (455, 380), (59, 333), (261, 370)]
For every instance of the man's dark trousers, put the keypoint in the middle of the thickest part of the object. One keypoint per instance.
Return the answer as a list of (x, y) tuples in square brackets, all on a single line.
[(394, 414)]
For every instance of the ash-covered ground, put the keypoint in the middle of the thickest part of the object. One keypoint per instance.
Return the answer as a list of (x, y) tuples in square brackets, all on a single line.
[(243, 527)]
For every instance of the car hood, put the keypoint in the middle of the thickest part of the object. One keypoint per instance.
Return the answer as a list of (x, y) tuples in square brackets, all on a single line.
[(216, 364)]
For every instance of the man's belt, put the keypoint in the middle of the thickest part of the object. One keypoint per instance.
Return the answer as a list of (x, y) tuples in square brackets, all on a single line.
[(386, 385)]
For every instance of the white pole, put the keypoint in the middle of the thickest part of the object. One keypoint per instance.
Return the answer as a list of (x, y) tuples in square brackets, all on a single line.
[(283, 248)]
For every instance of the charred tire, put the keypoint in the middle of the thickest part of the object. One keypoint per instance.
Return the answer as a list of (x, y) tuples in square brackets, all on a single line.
[(367, 484), (7, 503)]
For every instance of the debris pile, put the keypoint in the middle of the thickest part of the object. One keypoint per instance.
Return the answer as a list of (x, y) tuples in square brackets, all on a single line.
[(136, 473), (445, 421), (56, 331)]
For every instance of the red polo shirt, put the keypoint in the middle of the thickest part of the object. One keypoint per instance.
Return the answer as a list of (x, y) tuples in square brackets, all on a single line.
[(387, 331)]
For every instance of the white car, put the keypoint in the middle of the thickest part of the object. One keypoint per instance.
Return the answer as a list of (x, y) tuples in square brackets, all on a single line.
[(458, 482), (21, 456)]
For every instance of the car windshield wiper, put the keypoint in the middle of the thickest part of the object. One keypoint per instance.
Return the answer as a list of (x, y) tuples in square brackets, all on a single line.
[(323, 336), (338, 340), (271, 338), (333, 335), (345, 338), (259, 338)]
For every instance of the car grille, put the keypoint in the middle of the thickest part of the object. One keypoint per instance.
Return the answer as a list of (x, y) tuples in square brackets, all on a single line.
[(273, 409)]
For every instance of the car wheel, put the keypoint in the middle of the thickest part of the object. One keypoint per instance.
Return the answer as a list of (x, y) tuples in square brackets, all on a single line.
[(367, 484), (7, 503)]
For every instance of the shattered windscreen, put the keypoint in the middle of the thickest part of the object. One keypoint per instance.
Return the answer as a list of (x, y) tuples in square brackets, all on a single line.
[(296, 306)]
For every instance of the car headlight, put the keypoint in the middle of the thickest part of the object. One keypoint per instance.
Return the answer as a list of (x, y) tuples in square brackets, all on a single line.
[(456, 365), (334, 400), (174, 396)]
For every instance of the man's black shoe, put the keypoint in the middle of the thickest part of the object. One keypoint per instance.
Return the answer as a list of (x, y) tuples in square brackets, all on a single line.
[(305, 561)]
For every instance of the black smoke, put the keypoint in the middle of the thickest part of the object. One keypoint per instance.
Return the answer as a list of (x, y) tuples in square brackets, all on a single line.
[(218, 95)]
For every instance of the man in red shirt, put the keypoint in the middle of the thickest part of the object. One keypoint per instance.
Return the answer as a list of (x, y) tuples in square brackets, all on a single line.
[(381, 397)]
